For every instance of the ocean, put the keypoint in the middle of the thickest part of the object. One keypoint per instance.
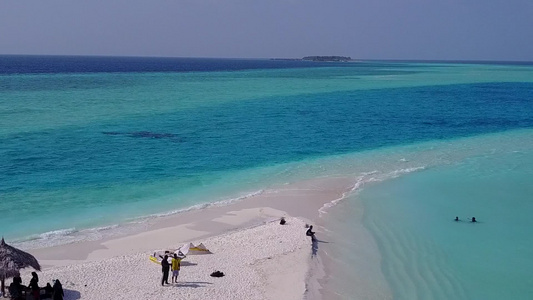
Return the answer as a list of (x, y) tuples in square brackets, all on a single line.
[(91, 145)]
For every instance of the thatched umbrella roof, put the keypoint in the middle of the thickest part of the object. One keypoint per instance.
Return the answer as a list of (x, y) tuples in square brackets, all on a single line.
[(12, 260)]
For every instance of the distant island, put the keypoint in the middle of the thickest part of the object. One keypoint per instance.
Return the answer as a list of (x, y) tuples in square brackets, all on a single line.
[(327, 58), (320, 58)]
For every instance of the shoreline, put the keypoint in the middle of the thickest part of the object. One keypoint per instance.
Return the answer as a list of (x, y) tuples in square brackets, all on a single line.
[(300, 203), (303, 199)]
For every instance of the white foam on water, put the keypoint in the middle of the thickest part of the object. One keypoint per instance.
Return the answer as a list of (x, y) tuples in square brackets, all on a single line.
[(72, 235), (206, 205)]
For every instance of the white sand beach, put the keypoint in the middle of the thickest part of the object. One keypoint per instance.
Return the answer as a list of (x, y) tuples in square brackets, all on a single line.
[(260, 258), (268, 261)]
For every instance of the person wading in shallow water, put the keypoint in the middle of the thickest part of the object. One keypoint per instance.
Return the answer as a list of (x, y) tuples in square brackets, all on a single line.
[(165, 268), (310, 233)]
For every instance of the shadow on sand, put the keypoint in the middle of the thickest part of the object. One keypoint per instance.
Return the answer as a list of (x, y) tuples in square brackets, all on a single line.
[(71, 294), (186, 263), (191, 284), (314, 245)]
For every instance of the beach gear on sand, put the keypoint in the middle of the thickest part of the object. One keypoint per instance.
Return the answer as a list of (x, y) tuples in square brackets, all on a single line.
[(158, 256), (191, 249), (217, 274), (187, 249)]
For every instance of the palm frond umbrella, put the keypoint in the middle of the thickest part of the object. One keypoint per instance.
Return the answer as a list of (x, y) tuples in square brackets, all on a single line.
[(12, 260)]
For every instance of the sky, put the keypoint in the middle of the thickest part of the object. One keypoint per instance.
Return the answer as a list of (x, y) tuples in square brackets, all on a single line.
[(499, 30)]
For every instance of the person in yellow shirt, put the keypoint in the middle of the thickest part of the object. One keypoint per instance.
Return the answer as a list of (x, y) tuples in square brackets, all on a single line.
[(176, 262)]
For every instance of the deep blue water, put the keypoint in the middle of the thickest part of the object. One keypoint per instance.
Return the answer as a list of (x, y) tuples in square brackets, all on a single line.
[(16, 64)]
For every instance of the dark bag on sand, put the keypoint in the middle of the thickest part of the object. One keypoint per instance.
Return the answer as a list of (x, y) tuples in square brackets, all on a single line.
[(217, 274)]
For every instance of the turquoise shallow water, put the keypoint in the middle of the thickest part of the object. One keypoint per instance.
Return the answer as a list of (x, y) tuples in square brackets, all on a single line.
[(424, 253), (429, 256), (100, 143)]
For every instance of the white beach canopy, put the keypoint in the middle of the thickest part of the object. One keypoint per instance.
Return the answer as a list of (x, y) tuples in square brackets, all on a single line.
[(191, 249)]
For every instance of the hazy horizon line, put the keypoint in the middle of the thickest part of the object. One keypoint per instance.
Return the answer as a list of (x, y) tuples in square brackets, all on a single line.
[(288, 58)]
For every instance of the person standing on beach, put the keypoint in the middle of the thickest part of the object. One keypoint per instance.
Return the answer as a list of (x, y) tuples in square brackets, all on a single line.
[(176, 264), (34, 286), (165, 267)]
